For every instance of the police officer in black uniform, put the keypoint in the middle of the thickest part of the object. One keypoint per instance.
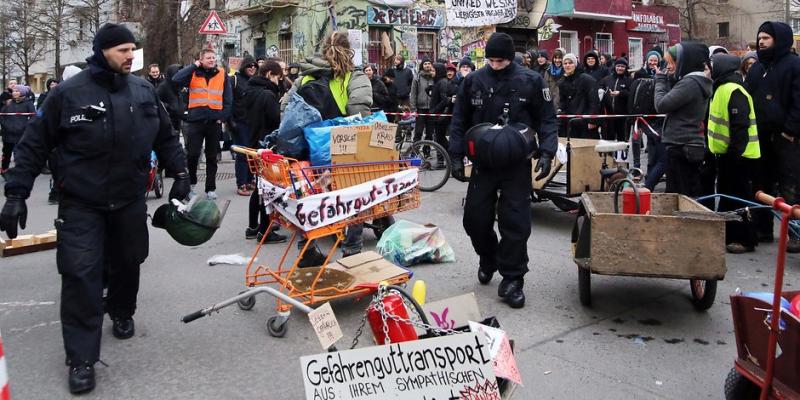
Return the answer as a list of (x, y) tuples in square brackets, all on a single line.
[(103, 123), (483, 97)]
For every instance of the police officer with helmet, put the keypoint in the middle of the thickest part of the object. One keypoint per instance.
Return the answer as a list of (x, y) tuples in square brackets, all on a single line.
[(103, 124), (519, 99)]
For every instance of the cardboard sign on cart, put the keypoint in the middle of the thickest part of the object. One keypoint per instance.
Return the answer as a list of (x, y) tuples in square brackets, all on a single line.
[(447, 367), (361, 144)]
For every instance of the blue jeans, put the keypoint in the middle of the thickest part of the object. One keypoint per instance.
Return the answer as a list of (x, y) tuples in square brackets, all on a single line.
[(242, 138), (656, 163)]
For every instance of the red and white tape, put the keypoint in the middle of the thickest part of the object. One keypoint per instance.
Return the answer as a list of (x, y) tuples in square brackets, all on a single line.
[(605, 116), (15, 114), (408, 114), (5, 394)]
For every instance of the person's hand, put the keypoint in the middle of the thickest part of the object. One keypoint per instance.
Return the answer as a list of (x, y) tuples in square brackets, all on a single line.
[(14, 213), (197, 63), (543, 164), (180, 187), (457, 169)]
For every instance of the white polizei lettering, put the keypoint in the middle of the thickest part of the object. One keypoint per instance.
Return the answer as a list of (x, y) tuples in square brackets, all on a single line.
[(78, 118)]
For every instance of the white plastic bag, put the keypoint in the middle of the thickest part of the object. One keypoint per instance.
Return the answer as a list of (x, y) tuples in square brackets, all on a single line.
[(406, 243)]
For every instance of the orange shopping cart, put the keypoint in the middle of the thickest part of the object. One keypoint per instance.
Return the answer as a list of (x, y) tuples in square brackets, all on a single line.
[(316, 202)]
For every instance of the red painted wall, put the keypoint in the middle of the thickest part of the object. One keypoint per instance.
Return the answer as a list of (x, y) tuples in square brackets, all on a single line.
[(612, 7)]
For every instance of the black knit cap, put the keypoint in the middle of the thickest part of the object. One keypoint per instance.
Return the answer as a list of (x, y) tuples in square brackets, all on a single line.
[(110, 35), (500, 45), (768, 29)]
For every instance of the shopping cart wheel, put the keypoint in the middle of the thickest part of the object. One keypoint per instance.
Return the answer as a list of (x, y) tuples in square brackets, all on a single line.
[(248, 303), (703, 293), (737, 387), (158, 184), (585, 286), (276, 327), (380, 225)]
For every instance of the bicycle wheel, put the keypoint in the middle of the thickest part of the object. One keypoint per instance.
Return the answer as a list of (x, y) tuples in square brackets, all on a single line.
[(434, 164)]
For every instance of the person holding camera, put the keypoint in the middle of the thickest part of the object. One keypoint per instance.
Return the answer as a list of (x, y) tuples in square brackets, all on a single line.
[(103, 124), (501, 155)]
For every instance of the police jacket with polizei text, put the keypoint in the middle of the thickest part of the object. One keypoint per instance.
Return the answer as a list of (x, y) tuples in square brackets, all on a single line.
[(483, 95), (206, 114), (104, 161)]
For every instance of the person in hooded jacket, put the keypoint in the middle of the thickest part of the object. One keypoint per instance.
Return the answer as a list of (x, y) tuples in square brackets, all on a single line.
[(748, 60), (51, 83), (380, 94), (774, 83), (14, 125), (390, 105), (578, 95), (615, 100), (592, 66), (652, 62), (169, 93), (404, 77), (553, 75), (733, 140), (443, 100), (420, 100), (685, 105), (241, 128), (540, 61)]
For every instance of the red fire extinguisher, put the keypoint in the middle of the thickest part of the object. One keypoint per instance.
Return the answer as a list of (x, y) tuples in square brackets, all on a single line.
[(398, 331), (635, 200)]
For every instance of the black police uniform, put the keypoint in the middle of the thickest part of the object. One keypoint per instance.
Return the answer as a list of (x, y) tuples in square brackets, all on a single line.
[(103, 127), (482, 97)]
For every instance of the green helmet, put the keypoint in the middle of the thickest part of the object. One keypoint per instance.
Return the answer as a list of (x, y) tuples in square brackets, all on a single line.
[(192, 227)]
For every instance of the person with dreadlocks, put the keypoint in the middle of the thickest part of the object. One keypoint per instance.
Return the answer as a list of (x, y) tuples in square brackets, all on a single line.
[(351, 93)]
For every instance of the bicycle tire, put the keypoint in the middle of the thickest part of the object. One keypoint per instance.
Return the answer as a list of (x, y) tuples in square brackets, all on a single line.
[(433, 172)]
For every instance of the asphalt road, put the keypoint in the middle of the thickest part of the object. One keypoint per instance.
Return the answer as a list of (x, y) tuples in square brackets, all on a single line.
[(641, 339)]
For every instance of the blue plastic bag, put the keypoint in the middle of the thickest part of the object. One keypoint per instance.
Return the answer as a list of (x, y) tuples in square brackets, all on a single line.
[(290, 140), (318, 135)]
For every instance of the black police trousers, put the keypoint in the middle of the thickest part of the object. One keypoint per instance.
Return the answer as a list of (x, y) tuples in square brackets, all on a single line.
[(90, 241), (196, 133), (509, 256)]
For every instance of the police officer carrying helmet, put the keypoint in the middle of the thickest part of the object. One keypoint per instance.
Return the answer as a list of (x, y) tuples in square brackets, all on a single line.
[(520, 98), (103, 124)]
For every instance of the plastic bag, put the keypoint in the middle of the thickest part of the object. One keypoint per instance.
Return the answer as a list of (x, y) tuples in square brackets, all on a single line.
[(406, 243), (318, 135), (290, 140), (230, 259)]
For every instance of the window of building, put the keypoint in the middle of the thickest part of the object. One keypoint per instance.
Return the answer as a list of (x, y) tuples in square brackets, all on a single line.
[(796, 25), (568, 40), (635, 53), (604, 43), (285, 47), (723, 29), (379, 47), (426, 45)]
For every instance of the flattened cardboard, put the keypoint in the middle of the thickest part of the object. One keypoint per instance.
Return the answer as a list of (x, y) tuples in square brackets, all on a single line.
[(453, 312), (373, 271), (359, 259)]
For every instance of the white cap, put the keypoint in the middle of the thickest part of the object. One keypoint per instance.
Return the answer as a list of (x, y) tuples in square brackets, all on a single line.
[(69, 72)]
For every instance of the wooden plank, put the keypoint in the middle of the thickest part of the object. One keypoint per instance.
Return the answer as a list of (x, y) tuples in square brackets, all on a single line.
[(13, 251), (22, 240), (44, 238)]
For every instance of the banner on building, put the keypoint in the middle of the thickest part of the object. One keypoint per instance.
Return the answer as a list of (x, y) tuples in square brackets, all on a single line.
[(419, 17), (480, 12)]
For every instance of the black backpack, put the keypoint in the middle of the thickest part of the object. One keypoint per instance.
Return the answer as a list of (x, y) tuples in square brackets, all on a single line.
[(317, 93), (641, 99)]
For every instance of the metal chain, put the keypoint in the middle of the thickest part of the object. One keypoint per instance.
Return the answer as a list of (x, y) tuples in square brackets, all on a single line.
[(359, 331)]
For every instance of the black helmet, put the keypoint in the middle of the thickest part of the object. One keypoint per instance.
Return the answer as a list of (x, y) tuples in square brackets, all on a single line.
[(499, 146), (191, 227)]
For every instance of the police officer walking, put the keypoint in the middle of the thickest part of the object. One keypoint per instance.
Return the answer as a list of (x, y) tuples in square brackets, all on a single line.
[(519, 95), (103, 124)]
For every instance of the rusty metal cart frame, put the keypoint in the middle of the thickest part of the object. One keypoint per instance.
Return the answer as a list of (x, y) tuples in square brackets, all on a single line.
[(680, 240), (304, 180)]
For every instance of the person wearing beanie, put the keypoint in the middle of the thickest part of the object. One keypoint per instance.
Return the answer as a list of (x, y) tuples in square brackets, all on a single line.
[(420, 100), (404, 78), (14, 125), (541, 63), (210, 105), (615, 101), (108, 122), (466, 62), (593, 67), (750, 58), (652, 61), (685, 104), (774, 83), (69, 72), (579, 95), (49, 85), (553, 75), (482, 98)]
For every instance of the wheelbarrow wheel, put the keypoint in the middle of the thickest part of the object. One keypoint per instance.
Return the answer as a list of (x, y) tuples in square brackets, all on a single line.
[(585, 286), (276, 328), (158, 184), (703, 293), (737, 387), (247, 304)]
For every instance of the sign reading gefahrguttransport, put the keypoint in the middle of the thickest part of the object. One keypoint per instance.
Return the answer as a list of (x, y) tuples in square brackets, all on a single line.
[(480, 12), (447, 367)]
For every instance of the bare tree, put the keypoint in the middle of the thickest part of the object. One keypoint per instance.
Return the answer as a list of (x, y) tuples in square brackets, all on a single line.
[(91, 11), (26, 43), (53, 27), (5, 45), (691, 12), (160, 32)]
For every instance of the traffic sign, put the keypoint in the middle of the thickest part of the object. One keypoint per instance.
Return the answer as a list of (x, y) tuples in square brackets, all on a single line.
[(213, 25)]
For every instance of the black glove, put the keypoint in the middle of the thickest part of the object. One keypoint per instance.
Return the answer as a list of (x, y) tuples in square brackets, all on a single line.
[(14, 212), (181, 187), (457, 169), (543, 164)]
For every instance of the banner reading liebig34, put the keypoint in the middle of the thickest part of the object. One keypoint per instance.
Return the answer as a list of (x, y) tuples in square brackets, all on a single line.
[(480, 12)]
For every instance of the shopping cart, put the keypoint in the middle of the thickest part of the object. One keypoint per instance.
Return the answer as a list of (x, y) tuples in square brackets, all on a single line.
[(285, 181)]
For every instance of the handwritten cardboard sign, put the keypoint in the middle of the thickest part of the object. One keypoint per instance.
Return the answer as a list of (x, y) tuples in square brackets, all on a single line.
[(503, 361), (447, 367), (452, 312), (383, 134), (344, 140), (325, 325)]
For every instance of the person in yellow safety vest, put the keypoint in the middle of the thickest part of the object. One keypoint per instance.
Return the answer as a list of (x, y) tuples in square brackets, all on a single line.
[(210, 104), (733, 139)]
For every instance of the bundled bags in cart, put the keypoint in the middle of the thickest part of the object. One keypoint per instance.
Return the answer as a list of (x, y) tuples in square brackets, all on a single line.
[(406, 243), (318, 135), (289, 139)]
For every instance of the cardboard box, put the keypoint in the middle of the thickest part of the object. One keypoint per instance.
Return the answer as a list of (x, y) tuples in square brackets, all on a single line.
[(364, 152), (452, 312), (368, 267)]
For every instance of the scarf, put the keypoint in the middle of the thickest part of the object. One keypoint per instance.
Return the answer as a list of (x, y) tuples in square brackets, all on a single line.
[(556, 71)]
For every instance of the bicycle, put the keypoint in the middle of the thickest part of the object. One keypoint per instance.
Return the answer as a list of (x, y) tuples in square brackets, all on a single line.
[(434, 161)]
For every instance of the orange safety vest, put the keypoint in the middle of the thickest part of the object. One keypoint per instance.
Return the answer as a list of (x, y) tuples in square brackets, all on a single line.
[(209, 93)]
